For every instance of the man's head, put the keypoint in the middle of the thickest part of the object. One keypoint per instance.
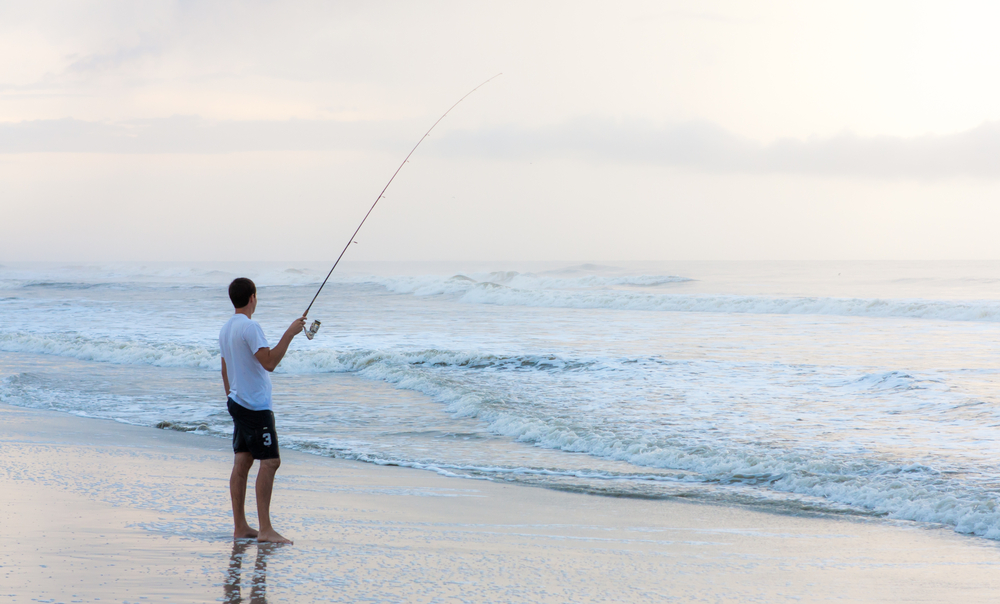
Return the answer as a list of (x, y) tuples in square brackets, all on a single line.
[(242, 292)]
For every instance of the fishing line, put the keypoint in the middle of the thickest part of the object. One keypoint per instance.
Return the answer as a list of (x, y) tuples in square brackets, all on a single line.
[(315, 324)]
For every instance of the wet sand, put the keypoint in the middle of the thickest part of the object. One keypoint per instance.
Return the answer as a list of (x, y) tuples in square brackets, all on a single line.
[(94, 510)]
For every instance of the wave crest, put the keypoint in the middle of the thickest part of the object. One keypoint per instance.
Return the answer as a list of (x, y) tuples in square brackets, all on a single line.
[(977, 310), (125, 352)]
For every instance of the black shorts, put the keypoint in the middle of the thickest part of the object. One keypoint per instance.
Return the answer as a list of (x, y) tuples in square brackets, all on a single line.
[(253, 432)]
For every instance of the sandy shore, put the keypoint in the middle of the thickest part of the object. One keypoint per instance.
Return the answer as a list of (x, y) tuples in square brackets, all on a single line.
[(96, 510)]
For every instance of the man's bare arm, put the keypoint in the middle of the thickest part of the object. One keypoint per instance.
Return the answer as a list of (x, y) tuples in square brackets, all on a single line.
[(225, 376), (270, 357)]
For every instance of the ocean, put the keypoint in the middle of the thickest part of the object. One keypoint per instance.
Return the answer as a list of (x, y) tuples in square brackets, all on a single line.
[(863, 389)]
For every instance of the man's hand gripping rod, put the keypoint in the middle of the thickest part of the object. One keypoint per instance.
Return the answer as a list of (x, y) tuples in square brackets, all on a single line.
[(315, 324)]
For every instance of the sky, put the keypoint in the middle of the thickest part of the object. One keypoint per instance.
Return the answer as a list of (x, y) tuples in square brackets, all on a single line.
[(259, 130)]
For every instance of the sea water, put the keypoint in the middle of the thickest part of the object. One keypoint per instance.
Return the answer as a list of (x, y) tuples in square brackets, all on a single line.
[(863, 388)]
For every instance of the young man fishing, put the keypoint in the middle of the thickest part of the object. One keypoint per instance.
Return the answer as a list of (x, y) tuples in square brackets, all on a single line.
[(246, 361)]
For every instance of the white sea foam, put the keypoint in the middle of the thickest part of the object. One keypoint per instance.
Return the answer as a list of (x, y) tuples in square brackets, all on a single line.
[(974, 310), (898, 381), (908, 491), (320, 360), (112, 351), (558, 289), (428, 285)]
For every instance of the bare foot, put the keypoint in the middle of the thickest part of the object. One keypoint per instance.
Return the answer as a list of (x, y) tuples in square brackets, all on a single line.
[(272, 536), (249, 533)]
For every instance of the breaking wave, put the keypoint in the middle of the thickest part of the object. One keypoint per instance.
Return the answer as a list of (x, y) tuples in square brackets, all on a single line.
[(124, 275), (430, 285), (124, 352), (977, 310)]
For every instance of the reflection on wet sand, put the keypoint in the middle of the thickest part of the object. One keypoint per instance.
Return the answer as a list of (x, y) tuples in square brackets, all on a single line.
[(257, 580)]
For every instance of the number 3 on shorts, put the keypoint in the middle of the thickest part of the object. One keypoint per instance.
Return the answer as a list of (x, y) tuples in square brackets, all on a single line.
[(267, 439)]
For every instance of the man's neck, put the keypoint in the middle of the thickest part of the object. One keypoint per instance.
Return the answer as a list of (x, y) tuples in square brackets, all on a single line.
[(245, 311)]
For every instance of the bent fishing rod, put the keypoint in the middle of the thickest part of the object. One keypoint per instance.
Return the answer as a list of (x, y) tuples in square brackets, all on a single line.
[(315, 324)]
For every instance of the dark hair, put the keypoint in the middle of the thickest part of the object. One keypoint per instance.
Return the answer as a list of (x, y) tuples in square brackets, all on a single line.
[(240, 291)]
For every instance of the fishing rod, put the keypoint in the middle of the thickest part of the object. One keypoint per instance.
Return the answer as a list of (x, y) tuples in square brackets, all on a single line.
[(315, 324)]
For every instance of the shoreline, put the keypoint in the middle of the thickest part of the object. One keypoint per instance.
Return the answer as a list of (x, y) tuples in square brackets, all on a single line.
[(100, 509)]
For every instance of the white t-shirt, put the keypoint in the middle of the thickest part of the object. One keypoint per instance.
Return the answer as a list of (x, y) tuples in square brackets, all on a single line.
[(249, 383)]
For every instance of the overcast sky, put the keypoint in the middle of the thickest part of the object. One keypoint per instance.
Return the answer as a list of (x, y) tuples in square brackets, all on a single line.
[(619, 131)]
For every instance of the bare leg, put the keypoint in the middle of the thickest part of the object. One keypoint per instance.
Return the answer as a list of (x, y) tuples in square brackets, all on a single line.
[(265, 482), (238, 493)]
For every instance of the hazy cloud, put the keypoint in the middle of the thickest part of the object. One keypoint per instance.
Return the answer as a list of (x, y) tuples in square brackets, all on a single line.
[(191, 134), (695, 145), (705, 146), (109, 61)]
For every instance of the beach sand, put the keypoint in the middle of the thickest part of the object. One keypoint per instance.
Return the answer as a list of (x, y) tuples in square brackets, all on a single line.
[(96, 510)]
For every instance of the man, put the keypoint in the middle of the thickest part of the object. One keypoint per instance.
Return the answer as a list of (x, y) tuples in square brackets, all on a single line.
[(246, 361)]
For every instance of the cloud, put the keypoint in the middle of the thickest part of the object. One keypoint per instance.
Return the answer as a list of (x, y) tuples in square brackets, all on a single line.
[(695, 145), (191, 135), (113, 60), (688, 15), (706, 146)]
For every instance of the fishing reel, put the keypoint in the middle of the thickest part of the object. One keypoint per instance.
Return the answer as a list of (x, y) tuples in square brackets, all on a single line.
[(311, 332)]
